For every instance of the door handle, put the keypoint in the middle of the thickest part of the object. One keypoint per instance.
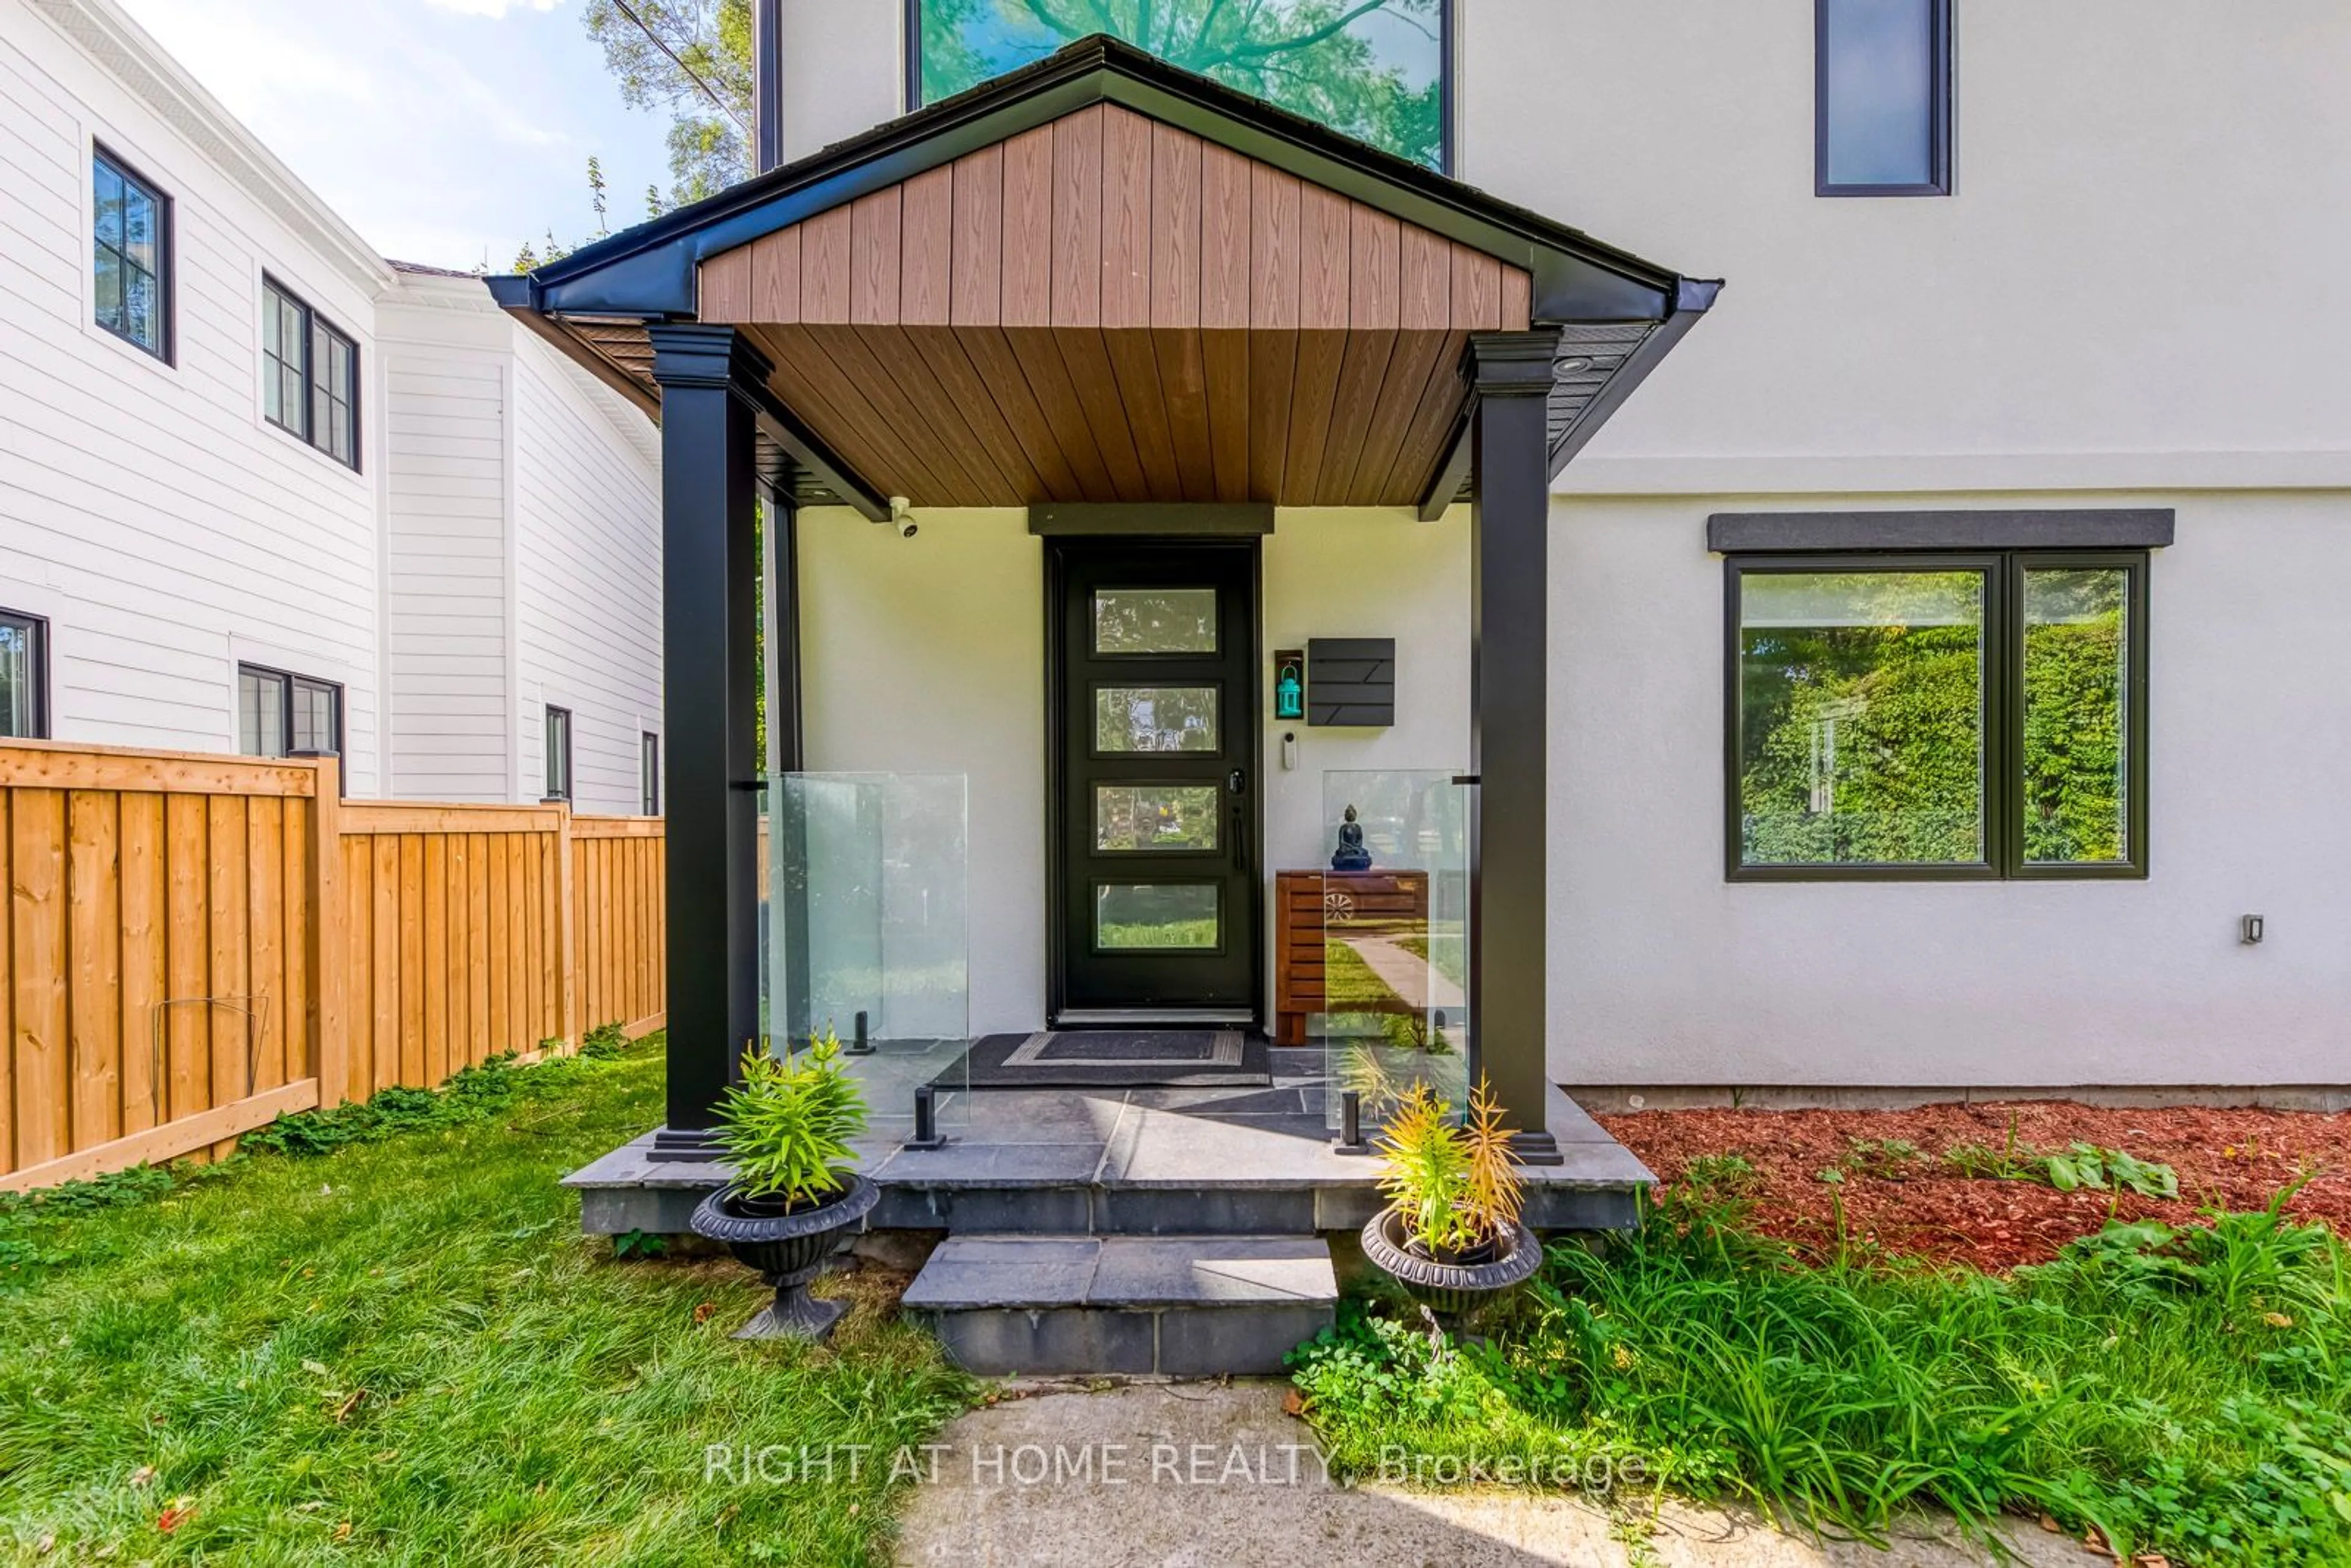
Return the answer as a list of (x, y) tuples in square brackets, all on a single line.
[(1236, 786)]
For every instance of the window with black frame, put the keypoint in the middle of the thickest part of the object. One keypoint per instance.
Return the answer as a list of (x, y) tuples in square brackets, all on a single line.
[(1882, 97), (559, 753), (309, 375), (1378, 71), (1938, 716), (131, 255), (279, 714), (24, 676)]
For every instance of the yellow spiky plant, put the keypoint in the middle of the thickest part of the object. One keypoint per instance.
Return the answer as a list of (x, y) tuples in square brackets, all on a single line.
[(1454, 1185)]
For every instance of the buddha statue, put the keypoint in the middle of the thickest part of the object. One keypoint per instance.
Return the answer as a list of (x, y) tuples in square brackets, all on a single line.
[(1350, 854)]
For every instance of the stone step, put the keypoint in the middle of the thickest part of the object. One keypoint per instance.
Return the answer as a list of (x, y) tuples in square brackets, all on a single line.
[(1190, 1306), (1232, 1209)]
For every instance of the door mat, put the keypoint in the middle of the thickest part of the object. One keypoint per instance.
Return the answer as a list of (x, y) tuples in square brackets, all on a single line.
[(1120, 1059)]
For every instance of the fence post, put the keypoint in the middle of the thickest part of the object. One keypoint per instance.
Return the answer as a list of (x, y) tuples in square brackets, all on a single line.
[(327, 944), (567, 967)]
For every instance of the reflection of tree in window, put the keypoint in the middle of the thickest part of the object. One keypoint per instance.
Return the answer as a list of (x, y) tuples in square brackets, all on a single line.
[(1371, 68), (1861, 718), (2075, 685)]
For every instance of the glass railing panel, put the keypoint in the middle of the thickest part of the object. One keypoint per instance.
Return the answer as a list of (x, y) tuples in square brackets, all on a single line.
[(1395, 940), (867, 934)]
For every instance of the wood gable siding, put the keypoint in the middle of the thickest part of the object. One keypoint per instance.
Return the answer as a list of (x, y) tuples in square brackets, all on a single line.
[(1109, 309)]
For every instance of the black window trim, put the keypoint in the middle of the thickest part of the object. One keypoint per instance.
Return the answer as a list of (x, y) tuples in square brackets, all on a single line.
[(570, 790), (1449, 142), (1940, 111), (286, 703), (39, 627), (315, 320), (2004, 713), (167, 254)]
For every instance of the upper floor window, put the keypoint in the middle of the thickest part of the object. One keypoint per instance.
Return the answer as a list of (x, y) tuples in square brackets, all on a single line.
[(1882, 97), (559, 754), (1968, 714), (24, 676), (131, 255), (1378, 71), (278, 714), (309, 375)]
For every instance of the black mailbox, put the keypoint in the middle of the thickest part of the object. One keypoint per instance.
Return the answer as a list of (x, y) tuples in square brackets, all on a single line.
[(1351, 681)]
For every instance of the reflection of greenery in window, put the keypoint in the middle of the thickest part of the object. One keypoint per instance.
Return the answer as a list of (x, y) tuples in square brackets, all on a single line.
[(2074, 648), (1862, 717), (1155, 718), (1371, 68)]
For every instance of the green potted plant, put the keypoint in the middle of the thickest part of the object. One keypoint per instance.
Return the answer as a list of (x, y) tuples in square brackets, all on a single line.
[(1450, 1233), (786, 1129)]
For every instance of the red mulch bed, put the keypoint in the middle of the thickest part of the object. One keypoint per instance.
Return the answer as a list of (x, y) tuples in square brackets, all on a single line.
[(2236, 1159)]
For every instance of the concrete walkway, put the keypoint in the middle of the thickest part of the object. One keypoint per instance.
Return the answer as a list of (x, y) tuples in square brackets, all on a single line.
[(1416, 982), (1203, 1476)]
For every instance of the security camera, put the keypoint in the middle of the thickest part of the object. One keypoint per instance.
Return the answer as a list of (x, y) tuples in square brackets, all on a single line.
[(902, 516), (906, 529)]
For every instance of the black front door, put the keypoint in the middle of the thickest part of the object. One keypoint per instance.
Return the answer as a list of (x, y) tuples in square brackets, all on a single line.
[(1154, 786)]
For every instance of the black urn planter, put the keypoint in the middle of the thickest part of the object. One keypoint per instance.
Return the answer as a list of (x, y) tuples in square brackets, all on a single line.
[(1452, 1287), (787, 1248)]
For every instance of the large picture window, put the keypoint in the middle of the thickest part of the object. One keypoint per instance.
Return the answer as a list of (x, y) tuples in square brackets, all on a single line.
[(1938, 716), (309, 376), (1882, 97), (1378, 71)]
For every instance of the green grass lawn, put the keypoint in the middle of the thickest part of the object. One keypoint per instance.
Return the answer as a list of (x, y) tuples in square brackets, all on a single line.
[(401, 1350), (2187, 1393)]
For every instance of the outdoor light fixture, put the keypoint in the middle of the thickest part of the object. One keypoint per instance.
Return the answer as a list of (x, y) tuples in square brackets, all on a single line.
[(861, 1043), (1571, 367), (2249, 930)]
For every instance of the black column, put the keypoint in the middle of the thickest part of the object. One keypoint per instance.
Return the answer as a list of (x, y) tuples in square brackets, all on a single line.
[(1510, 373), (710, 585)]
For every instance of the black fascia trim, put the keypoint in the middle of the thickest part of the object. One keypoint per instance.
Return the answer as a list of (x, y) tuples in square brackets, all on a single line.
[(2084, 528), (1197, 519), (1693, 298), (649, 270)]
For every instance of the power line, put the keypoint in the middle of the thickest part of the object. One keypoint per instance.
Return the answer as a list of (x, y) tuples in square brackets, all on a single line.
[(691, 75)]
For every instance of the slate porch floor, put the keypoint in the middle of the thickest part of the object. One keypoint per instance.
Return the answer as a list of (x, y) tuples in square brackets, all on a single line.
[(1127, 1160)]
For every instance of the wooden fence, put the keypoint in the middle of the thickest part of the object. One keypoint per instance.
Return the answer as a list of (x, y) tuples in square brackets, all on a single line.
[(191, 946)]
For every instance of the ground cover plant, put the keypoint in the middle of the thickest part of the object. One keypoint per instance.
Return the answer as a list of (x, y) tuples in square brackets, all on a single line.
[(380, 1338), (2181, 1390), (1995, 1185)]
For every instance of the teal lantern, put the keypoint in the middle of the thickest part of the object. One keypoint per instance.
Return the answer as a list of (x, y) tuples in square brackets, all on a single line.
[(1289, 693)]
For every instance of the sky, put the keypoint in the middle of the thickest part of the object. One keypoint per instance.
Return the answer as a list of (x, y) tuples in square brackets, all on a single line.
[(447, 132)]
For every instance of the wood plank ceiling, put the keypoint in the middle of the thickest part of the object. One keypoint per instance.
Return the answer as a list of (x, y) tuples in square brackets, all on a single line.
[(1109, 309)]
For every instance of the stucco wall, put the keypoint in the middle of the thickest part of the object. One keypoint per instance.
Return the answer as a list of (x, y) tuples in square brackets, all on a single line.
[(2132, 176), (1663, 973), (927, 656)]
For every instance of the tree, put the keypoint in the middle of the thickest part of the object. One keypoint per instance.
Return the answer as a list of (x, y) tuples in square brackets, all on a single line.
[(691, 57)]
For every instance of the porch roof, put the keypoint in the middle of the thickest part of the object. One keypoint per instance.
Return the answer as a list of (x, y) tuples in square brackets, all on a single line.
[(1102, 278)]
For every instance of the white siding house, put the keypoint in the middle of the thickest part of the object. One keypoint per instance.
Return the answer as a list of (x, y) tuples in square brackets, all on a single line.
[(485, 541), (2127, 298)]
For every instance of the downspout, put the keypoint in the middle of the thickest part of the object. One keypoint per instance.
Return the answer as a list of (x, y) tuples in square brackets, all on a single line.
[(766, 85)]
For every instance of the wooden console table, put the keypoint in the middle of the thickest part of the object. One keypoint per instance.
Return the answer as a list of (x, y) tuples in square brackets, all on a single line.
[(1306, 904)]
